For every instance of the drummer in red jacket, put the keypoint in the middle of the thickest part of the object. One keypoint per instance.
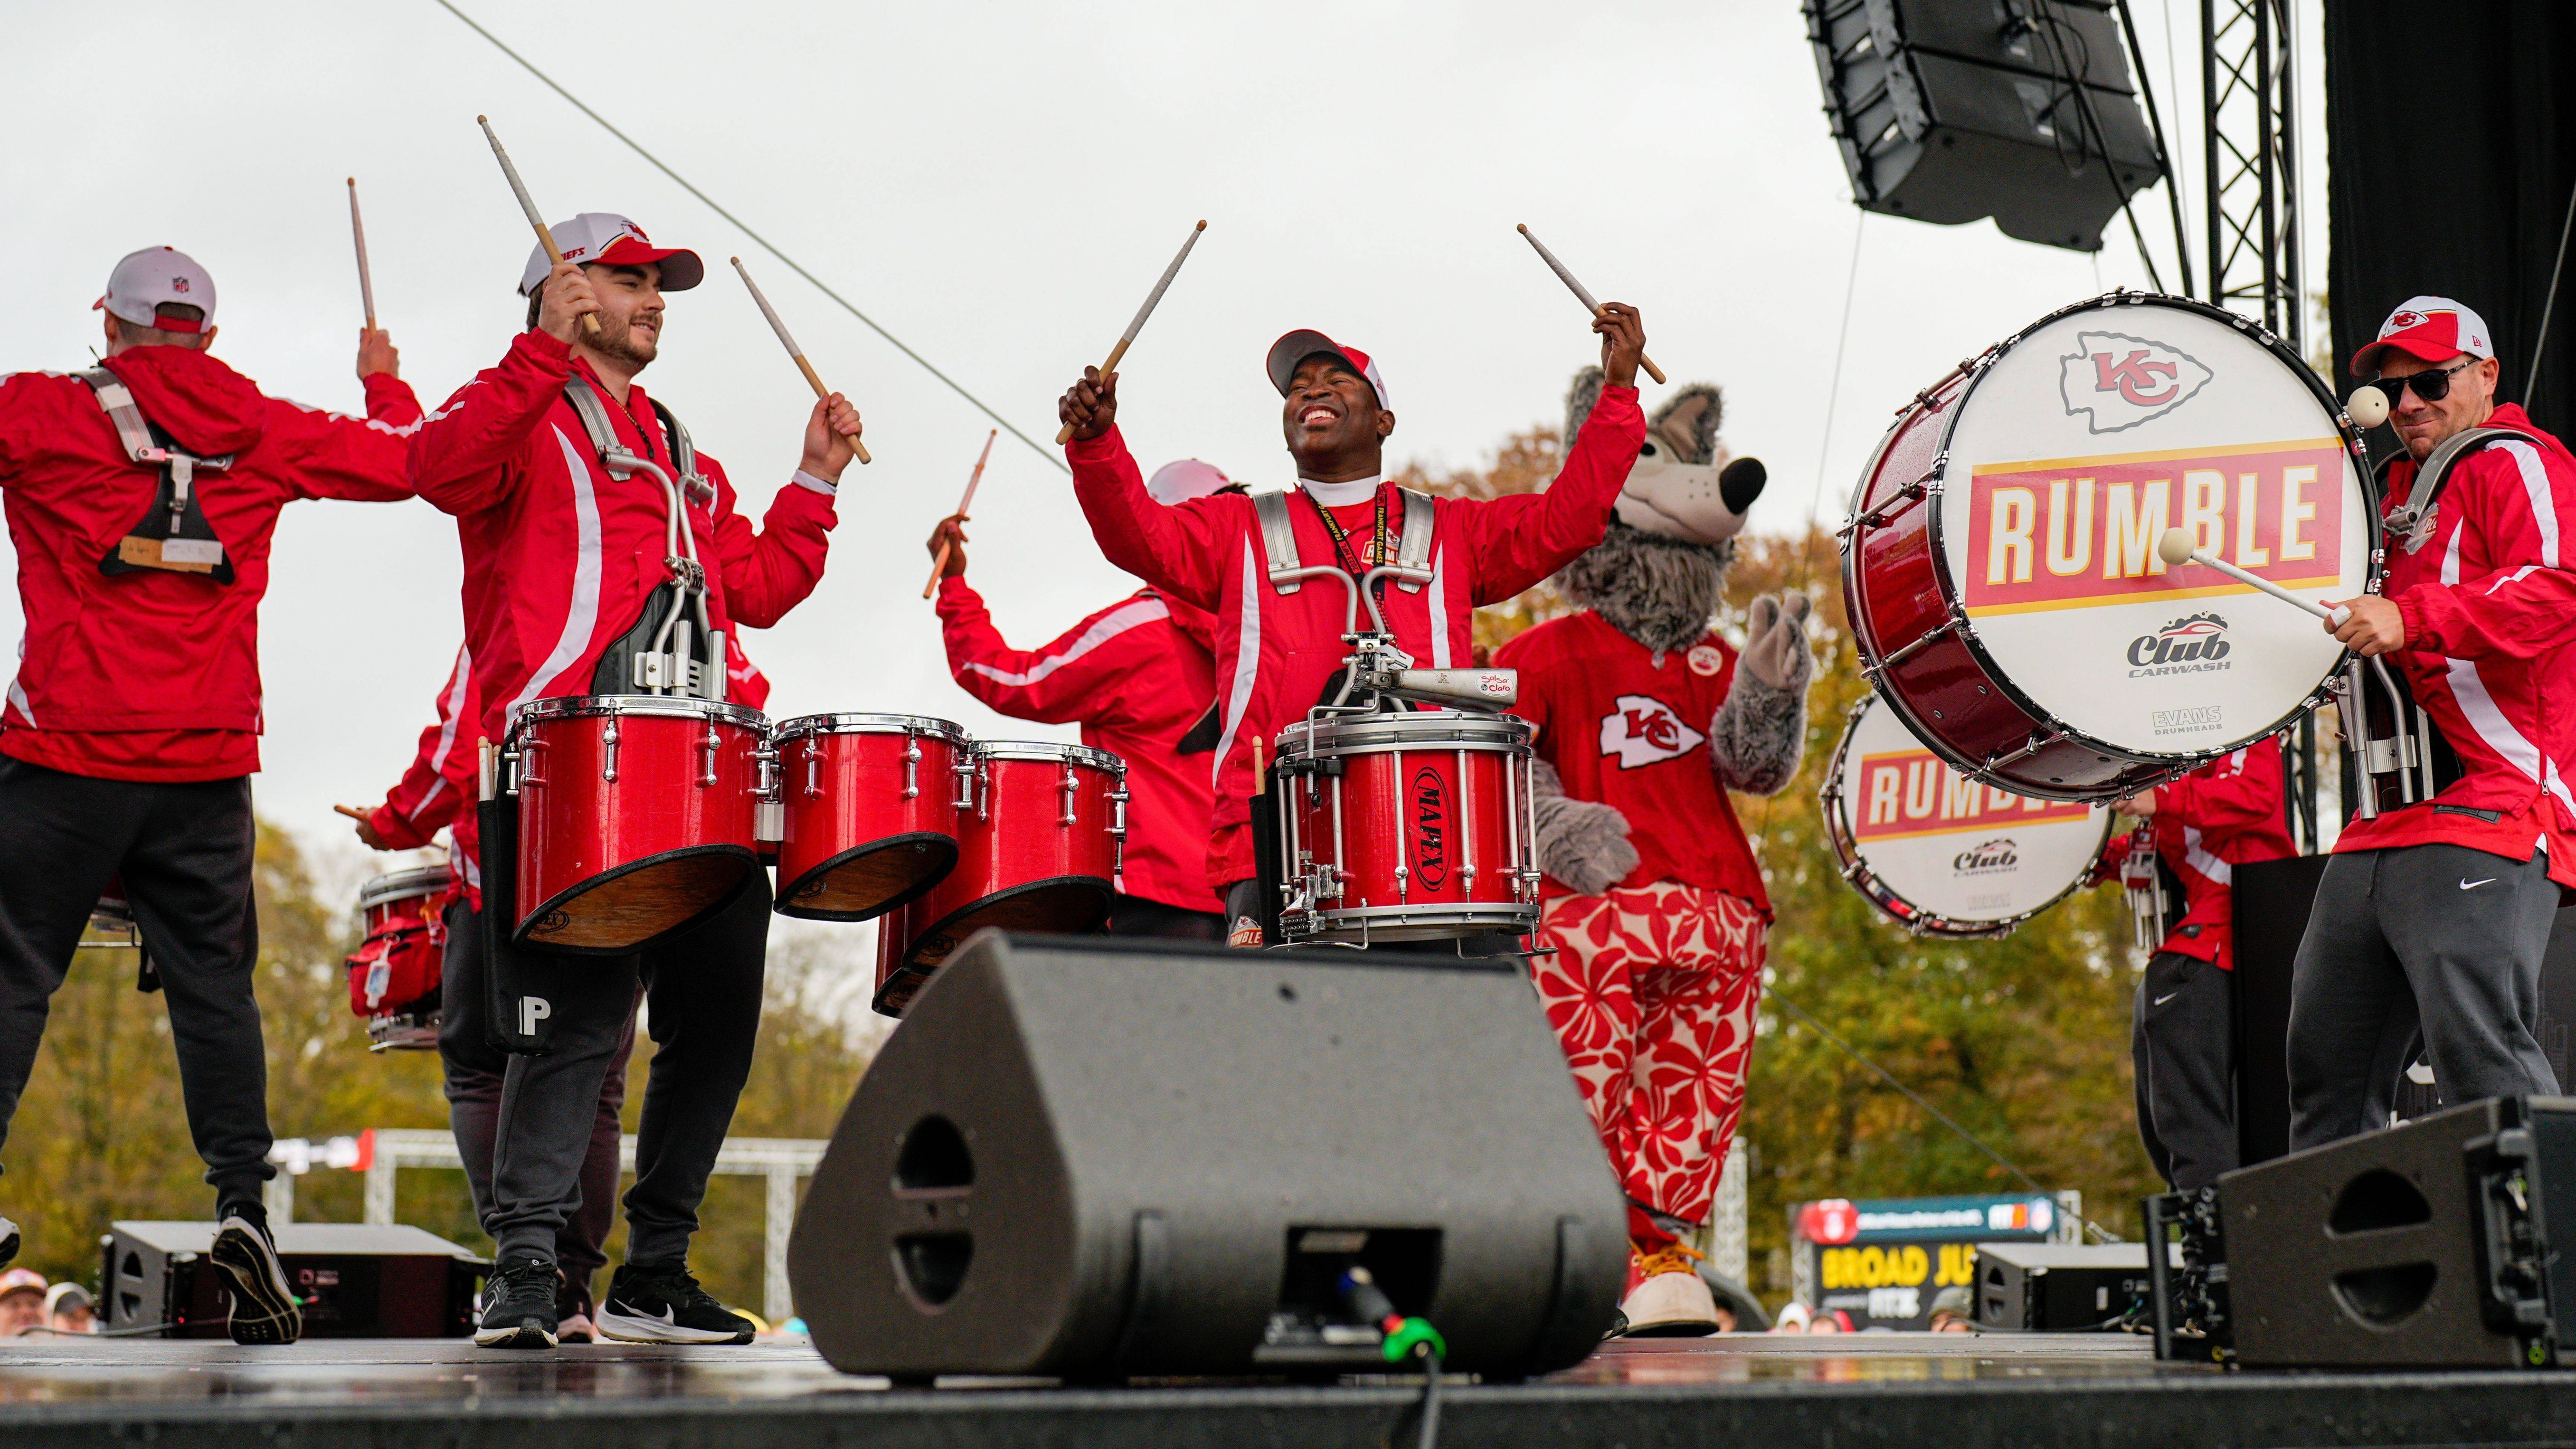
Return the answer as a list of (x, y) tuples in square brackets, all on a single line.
[(2182, 1032), (1278, 646), (563, 560), (437, 792), (142, 497), (2436, 916), (1137, 676)]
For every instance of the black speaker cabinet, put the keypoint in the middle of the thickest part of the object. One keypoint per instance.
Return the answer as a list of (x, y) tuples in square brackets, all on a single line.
[(1093, 1158), (2448, 1242), (2058, 1287), (357, 1280)]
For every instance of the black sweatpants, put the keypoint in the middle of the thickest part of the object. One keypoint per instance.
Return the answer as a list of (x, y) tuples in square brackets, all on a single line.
[(703, 987), (2181, 1037), (475, 1073), (185, 853), (2440, 938), (1137, 916)]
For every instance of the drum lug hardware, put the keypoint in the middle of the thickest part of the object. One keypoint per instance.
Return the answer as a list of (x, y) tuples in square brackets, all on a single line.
[(522, 760), (707, 761), (1920, 642), (964, 770), (1066, 790), (2034, 745), (608, 740), (911, 767), (813, 768)]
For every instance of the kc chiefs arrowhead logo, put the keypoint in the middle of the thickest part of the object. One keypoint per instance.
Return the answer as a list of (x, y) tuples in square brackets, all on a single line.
[(1643, 730), (2115, 382)]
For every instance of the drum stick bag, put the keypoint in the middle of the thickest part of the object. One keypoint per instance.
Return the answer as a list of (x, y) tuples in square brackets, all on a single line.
[(1265, 858)]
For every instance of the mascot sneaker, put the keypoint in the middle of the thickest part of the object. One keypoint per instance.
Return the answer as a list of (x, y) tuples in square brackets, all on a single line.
[(264, 1309), (519, 1306), (1670, 1299), (666, 1305)]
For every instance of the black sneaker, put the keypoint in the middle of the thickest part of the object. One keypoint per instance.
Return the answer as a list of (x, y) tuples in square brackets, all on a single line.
[(519, 1305), (666, 1305), (264, 1308)]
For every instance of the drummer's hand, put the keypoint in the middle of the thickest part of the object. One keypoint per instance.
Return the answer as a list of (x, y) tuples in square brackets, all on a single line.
[(1091, 405), (366, 827), (566, 296), (2374, 627), (830, 430), (1623, 343), (2142, 805), (376, 353), (952, 531)]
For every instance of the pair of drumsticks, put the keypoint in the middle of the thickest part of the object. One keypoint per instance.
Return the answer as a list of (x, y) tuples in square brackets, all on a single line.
[(939, 565)]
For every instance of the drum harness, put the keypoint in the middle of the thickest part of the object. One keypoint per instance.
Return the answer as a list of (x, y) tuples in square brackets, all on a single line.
[(173, 533), (2403, 756)]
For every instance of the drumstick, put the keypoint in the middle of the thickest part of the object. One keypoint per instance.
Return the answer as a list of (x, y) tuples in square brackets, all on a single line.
[(358, 231), (1583, 296), (939, 564), (1064, 434), (795, 353), (2176, 550), (545, 238)]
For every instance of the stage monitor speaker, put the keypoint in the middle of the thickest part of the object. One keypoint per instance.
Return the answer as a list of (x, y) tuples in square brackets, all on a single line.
[(2446, 1243), (1089, 1158), (1951, 110), (356, 1280), (2058, 1287)]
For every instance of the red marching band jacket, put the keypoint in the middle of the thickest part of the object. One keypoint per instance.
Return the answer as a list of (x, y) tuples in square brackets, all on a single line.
[(154, 675), (2489, 601), (1138, 677), (1276, 651), (2225, 814), (559, 556)]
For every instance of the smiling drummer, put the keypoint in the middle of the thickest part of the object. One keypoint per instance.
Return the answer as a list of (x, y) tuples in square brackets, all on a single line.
[(1279, 646), (566, 584), (2436, 916)]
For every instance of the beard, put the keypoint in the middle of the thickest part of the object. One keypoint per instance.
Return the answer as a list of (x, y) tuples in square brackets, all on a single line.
[(617, 339)]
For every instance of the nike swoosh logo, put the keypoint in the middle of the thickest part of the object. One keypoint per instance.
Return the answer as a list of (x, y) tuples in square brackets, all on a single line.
[(2470, 885), (2161, 1000)]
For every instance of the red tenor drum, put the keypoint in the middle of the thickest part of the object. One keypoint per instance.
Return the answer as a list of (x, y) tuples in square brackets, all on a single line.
[(394, 976), (1942, 854), (637, 816), (2001, 565), (897, 982), (1406, 827), (872, 808), (1038, 852)]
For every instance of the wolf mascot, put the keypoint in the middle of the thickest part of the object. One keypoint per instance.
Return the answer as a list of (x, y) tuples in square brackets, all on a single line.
[(1654, 903)]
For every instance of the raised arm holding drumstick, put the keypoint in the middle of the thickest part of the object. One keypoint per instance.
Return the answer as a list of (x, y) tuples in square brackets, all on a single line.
[(375, 350), (1153, 299), (950, 536), (795, 353)]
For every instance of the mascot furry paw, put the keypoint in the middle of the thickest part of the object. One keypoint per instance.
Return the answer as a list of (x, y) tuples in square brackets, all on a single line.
[(1654, 904)]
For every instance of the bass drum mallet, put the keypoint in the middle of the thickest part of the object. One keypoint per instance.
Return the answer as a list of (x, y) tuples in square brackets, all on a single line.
[(545, 238), (1064, 434), (2176, 550), (795, 353)]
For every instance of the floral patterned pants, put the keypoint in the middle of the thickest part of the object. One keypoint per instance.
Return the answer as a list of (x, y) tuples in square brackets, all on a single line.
[(1651, 992)]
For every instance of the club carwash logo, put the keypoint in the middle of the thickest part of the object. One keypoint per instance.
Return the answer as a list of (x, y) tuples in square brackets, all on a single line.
[(1987, 857), (2192, 644), (2115, 382)]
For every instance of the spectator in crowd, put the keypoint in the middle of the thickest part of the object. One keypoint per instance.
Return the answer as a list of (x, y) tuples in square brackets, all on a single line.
[(70, 1309), (1954, 1310), (22, 1301), (1832, 1320), (1792, 1318)]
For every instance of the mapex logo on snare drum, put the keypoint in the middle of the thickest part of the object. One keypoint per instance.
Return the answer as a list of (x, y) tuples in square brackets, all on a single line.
[(1986, 857), (2115, 382), (1430, 810), (2193, 645)]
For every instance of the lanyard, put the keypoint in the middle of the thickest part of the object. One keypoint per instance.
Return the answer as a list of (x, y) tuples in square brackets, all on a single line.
[(1343, 553)]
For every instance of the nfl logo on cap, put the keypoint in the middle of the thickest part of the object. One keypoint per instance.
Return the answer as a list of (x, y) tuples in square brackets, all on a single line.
[(145, 281)]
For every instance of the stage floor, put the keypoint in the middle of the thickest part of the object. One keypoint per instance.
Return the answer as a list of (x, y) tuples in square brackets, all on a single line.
[(1951, 1391)]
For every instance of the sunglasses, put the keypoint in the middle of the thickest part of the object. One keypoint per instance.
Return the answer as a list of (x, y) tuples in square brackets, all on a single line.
[(2432, 385)]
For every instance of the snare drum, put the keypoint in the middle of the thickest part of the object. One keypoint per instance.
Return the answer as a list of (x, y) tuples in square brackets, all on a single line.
[(1406, 827), (394, 975), (872, 802), (1943, 854), (1038, 852), (2001, 570), (637, 816)]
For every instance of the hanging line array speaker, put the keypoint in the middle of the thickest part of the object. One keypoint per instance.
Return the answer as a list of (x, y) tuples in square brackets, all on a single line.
[(1090, 1158)]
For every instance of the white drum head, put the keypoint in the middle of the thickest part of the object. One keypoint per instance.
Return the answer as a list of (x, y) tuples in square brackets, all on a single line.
[(2082, 443), (1962, 856)]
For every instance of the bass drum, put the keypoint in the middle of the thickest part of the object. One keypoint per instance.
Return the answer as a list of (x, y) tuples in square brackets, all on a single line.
[(2001, 570), (1943, 854)]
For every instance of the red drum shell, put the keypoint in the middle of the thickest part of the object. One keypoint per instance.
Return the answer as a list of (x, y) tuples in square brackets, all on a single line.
[(397, 967), (897, 981), (867, 829), (1021, 865), (613, 859), (1432, 838)]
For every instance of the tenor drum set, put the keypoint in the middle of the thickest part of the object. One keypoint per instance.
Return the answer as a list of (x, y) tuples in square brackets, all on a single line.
[(2050, 571)]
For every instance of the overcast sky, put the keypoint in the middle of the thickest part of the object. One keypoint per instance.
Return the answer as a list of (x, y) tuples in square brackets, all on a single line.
[(998, 184)]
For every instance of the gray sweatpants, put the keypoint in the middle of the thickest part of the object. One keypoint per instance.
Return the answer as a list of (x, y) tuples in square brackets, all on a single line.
[(2440, 938)]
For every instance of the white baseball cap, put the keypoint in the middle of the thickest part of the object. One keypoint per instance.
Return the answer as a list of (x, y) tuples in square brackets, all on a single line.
[(1185, 479), (610, 240), (2435, 329), (146, 279)]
